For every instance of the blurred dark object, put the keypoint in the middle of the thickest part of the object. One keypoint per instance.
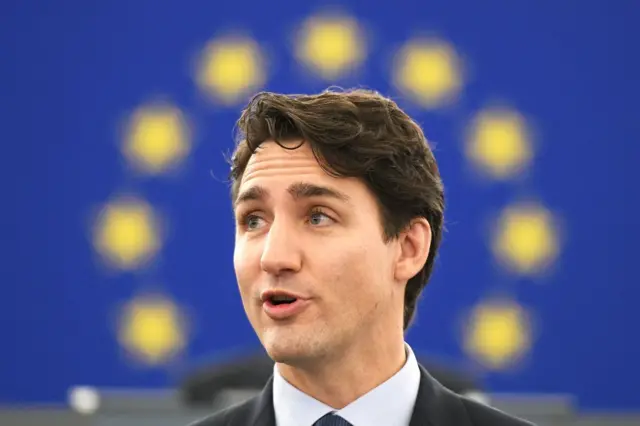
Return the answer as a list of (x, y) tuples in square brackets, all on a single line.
[(222, 384)]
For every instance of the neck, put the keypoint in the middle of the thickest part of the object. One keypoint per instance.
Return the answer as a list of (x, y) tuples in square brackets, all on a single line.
[(339, 380)]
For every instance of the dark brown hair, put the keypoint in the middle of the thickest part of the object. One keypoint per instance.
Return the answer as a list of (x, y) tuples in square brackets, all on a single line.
[(356, 133)]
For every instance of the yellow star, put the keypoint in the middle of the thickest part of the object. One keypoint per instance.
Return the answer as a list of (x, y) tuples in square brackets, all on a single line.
[(498, 333), (330, 45), (158, 138), (429, 72), (499, 143), (152, 328), (230, 68), (126, 233), (526, 239)]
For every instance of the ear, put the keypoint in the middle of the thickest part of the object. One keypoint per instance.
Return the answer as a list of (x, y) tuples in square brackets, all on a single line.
[(414, 244)]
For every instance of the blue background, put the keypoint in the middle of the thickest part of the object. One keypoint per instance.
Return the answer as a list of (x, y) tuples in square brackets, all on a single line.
[(72, 70)]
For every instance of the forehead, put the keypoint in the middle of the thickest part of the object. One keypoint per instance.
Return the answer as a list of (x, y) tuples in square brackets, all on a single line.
[(293, 169), (294, 160)]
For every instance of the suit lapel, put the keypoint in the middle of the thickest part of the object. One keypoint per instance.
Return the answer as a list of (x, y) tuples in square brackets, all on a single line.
[(263, 413), (436, 405)]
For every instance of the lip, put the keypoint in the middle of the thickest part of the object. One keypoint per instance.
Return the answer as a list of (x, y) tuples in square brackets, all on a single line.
[(284, 310), (268, 294)]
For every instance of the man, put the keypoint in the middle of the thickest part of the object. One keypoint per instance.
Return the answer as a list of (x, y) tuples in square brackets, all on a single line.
[(339, 212)]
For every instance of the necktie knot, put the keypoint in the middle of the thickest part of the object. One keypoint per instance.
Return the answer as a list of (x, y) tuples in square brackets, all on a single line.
[(332, 419)]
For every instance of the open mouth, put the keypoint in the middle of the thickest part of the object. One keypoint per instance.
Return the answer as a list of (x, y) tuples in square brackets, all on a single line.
[(281, 300), (280, 305)]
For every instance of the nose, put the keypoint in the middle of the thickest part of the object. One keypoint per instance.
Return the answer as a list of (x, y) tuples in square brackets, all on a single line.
[(281, 251)]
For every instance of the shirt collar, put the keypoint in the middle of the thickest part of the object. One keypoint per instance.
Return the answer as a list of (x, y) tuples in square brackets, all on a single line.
[(391, 403)]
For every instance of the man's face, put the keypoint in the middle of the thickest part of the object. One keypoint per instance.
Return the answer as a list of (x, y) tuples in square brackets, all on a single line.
[(303, 233)]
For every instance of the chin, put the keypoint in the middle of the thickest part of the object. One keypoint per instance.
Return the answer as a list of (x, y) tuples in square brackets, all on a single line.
[(286, 347), (285, 351)]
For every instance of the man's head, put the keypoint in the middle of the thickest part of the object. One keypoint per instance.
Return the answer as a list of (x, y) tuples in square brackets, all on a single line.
[(338, 200)]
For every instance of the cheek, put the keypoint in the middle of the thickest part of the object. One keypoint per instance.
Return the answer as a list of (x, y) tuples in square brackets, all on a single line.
[(244, 264), (356, 271)]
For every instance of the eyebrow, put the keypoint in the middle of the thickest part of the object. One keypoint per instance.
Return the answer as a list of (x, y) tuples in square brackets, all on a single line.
[(298, 190)]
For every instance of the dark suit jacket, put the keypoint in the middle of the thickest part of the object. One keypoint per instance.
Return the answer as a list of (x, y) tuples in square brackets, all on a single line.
[(435, 406), (202, 386)]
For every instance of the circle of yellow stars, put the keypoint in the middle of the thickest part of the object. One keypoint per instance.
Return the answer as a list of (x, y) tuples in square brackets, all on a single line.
[(128, 231)]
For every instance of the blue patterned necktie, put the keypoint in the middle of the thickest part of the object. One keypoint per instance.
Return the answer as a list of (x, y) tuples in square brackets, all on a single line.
[(332, 420)]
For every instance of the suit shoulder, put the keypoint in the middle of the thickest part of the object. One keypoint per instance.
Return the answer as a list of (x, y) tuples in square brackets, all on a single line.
[(484, 415), (236, 415)]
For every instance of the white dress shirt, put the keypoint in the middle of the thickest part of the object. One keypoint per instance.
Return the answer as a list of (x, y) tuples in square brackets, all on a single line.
[(390, 404)]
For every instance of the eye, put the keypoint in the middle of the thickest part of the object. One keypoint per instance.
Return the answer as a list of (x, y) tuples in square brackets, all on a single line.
[(252, 222), (318, 218)]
